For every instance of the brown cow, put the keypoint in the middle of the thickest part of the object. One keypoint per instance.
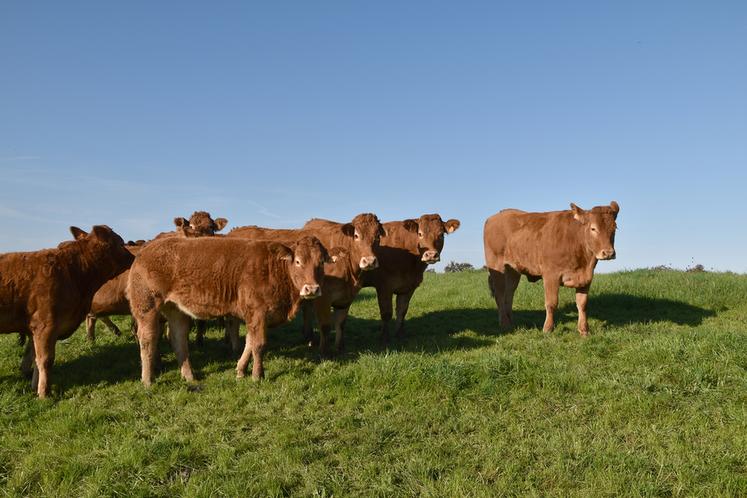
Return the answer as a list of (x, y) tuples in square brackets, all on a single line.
[(262, 283), (559, 247), (359, 239), (46, 294), (111, 299), (404, 254)]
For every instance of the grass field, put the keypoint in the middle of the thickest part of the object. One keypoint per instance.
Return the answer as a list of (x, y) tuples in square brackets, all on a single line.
[(653, 403)]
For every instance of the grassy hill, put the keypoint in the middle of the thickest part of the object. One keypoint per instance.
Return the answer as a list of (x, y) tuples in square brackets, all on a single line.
[(654, 403)]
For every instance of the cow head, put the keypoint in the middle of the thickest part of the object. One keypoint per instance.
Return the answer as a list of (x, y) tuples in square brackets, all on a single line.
[(108, 247), (430, 230), (599, 227), (365, 230), (338, 264), (200, 224), (305, 259)]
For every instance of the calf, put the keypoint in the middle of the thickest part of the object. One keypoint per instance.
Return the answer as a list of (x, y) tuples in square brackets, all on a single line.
[(559, 247), (262, 283), (404, 254), (46, 294), (200, 224)]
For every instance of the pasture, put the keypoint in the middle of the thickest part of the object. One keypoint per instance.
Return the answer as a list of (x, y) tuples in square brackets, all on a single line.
[(653, 403)]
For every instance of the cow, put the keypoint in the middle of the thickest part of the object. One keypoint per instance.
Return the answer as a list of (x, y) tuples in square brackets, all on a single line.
[(559, 247), (200, 224), (358, 239), (46, 294), (111, 299), (405, 252), (260, 282)]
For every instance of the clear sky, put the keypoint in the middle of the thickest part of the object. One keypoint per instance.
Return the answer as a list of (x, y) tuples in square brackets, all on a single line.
[(270, 113)]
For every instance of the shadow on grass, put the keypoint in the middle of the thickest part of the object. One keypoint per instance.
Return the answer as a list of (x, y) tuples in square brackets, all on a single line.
[(430, 333)]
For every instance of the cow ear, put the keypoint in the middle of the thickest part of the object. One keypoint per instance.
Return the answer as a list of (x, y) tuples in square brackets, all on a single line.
[(348, 229), (578, 213), (78, 233), (410, 225), (281, 251), (615, 208), (101, 232), (220, 224), (181, 222), (451, 226)]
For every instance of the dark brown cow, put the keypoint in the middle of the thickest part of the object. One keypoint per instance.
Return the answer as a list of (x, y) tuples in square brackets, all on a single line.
[(46, 294), (111, 298), (559, 247), (262, 283), (404, 253)]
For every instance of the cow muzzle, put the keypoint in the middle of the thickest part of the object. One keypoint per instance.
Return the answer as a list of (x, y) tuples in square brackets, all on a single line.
[(431, 257), (369, 263), (606, 254), (311, 291)]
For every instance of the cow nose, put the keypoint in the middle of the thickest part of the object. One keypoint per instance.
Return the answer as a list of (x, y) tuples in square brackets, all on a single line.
[(431, 257), (309, 291), (608, 254), (369, 263)]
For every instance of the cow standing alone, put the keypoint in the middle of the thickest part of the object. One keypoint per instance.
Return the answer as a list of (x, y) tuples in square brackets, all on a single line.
[(46, 294), (559, 247)]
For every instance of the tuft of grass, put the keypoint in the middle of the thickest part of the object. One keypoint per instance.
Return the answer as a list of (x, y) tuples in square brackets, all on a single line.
[(653, 403)]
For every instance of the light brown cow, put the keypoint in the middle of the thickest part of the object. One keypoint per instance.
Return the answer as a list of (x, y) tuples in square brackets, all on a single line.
[(559, 247), (404, 254), (46, 294), (111, 299), (262, 283)]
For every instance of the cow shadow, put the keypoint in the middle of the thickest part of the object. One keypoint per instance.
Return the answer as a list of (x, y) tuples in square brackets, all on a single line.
[(626, 309)]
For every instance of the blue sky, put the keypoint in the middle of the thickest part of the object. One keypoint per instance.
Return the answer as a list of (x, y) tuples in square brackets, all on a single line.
[(271, 113)]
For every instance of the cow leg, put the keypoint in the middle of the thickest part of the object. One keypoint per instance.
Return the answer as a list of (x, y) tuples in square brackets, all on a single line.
[(133, 327), (403, 303), (307, 329), (91, 327), (497, 284), (201, 326), (340, 315), (179, 326), (21, 339), (256, 339), (582, 297), (111, 326), (552, 286), (27, 363), (322, 308), (384, 296), (44, 347), (511, 279), (232, 325), (149, 332)]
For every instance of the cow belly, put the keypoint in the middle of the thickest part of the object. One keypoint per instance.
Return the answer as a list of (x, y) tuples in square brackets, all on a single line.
[(197, 310)]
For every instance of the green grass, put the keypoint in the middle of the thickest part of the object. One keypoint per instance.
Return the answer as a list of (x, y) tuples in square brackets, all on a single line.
[(653, 403)]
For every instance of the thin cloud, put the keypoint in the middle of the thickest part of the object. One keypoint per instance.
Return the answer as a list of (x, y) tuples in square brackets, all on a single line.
[(9, 159)]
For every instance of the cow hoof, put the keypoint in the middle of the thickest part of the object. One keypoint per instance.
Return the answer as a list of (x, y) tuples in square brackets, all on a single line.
[(194, 388)]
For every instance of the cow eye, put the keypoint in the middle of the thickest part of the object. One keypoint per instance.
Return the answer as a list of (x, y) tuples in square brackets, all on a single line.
[(420, 234), (357, 236), (593, 229), (298, 262)]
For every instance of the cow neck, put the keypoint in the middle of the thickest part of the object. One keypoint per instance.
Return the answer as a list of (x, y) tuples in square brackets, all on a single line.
[(293, 296), (402, 239), (590, 259), (80, 260)]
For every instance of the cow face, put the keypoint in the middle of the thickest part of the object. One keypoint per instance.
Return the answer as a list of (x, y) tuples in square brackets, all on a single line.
[(305, 259), (366, 231), (431, 229), (103, 240), (200, 224), (338, 263), (599, 226)]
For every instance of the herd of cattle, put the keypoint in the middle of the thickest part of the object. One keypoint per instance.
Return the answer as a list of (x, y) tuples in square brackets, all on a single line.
[(264, 276)]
